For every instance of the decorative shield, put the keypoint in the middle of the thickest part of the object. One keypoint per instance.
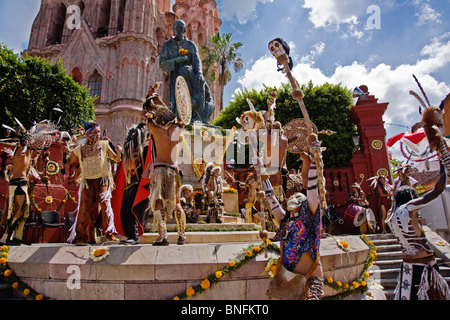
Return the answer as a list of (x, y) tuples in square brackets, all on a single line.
[(183, 99), (296, 132)]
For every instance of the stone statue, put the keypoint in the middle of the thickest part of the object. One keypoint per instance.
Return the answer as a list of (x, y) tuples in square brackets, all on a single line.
[(180, 56)]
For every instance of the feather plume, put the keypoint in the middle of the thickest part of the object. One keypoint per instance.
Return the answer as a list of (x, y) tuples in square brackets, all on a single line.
[(22, 128), (421, 89), (415, 95)]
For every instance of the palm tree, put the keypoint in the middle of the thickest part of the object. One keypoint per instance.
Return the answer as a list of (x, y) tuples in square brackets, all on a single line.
[(223, 54)]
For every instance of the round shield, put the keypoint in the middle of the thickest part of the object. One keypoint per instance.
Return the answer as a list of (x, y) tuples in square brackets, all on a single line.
[(183, 99), (296, 132)]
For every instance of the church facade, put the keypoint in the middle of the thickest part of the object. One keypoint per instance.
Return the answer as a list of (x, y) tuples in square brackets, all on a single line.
[(112, 47)]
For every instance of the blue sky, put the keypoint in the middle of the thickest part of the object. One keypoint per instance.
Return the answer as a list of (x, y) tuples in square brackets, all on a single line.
[(330, 42)]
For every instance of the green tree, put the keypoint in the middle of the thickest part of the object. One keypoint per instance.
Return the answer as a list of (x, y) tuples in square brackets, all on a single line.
[(328, 106), (221, 53), (31, 87)]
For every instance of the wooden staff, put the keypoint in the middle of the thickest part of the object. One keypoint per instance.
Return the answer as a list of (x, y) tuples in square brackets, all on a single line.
[(298, 95)]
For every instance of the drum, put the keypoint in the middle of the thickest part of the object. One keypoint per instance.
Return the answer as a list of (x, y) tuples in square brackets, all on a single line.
[(355, 215), (371, 220)]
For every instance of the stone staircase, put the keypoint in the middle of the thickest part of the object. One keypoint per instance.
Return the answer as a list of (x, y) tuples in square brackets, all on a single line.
[(389, 260)]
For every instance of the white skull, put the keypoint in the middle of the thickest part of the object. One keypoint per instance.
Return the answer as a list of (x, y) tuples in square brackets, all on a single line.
[(247, 121), (295, 201), (276, 48)]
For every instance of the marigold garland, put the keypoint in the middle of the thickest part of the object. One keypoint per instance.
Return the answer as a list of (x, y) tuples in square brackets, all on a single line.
[(8, 275), (356, 286)]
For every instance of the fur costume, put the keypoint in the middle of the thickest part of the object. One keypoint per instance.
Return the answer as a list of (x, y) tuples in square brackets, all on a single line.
[(155, 109)]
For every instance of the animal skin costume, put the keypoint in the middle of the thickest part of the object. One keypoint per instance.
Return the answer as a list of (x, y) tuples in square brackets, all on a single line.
[(96, 182), (165, 183), (188, 204), (14, 226)]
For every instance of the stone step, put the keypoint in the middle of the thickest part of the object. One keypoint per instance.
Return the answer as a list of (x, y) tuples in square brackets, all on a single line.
[(225, 225), (394, 255), (385, 242), (208, 237), (387, 273), (389, 263), (389, 248)]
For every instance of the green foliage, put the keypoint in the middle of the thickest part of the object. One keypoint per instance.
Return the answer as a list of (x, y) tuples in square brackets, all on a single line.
[(328, 106), (31, 87)]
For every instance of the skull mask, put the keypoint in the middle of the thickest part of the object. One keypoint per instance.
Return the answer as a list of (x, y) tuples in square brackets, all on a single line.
[(251, 120), (295, 201), (277, 48)]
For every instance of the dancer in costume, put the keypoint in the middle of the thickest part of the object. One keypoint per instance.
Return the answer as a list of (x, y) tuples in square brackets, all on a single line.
[(358, 197), (301, 228), (384, 191), (404, 178), (419, 277), (251, 214), (134, 208), (18, 203), (26, 142), (166, 131), (96, 183), (187, 202), (214, 193)]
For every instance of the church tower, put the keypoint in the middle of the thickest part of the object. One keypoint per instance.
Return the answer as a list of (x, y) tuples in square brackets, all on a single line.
[(112, 46)]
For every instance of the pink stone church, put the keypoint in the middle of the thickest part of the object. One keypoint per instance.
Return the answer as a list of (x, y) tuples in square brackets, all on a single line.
[(113, 48)]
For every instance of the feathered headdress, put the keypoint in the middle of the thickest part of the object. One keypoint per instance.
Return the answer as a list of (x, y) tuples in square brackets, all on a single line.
[(41, 136)]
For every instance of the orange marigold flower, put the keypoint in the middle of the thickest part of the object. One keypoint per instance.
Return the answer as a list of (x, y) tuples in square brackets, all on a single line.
[(5, 254), (346, 285), (219, 274), (338, 283), (3, 248), (330, 280), (190, 292), (355, 284), (3, 260), (7, 273), (256, 249), (363, 283), (176, 298), (15, 285), (205, 284), (26, 291), (248, 253), (232, 263), (367, 275), (39, 297)]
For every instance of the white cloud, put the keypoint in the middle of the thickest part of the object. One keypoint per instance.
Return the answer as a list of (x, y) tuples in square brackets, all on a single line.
[(426, 12), (314, 53), (241, 10), (337, 15)]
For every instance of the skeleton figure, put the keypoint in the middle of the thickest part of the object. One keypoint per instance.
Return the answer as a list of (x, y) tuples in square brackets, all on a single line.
[(214, 194), (278, 47)]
